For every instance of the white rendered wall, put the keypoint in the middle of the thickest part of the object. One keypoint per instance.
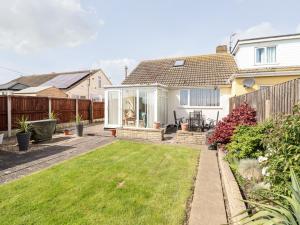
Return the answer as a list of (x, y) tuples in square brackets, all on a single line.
[(287, 54)]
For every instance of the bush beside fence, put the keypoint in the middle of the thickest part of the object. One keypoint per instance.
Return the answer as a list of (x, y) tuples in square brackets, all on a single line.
[(271, 101), (37, 108)]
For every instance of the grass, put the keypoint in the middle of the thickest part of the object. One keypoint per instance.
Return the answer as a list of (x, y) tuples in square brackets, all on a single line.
[(125, 183)]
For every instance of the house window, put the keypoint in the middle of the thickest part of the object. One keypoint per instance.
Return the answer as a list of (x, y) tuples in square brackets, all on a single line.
[(184, 97), (265, 55), (99, 82), (200, 97)]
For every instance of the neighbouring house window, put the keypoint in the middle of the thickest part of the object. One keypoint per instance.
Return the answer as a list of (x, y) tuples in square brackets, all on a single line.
[(265, 55), (184, 97), (200, 97), (99, 82)]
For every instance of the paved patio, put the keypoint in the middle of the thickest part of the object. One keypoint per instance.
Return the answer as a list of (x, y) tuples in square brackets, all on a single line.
[(14, 165)]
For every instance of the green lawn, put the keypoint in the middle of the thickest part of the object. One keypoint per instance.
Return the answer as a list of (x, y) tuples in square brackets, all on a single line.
[(125, 183)]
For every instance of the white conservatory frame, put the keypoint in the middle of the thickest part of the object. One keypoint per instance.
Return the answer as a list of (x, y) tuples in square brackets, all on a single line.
[(158, 100)]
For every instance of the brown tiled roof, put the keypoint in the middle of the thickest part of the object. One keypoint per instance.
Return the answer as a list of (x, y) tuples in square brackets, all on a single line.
[(37, 80), (270, 69), (204, 70)]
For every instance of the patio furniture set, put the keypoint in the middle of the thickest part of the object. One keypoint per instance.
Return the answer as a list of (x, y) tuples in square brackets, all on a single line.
[(195, 122)]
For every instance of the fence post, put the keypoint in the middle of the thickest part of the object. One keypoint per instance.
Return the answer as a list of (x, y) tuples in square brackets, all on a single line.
[(267, 109), (50, 106), (9, 125), (91, 111), (77, 107)]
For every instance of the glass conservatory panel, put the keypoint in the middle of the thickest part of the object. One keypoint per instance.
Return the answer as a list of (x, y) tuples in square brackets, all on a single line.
[(146, 108), (113, 107), (162, 107), (129, 107)]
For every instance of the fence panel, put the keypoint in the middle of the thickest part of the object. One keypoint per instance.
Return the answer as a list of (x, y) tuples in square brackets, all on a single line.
[(84, 109), (98, 110), (282, 98), (3, 113), (33, 108), (65, 109)]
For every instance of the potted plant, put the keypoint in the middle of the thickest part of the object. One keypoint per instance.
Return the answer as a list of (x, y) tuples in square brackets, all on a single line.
[(1, 138), (66, 131), (79, 126), (23, 134), (184, 126), (156, 125)]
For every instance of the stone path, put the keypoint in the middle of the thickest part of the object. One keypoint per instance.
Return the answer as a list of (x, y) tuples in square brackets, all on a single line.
[(208, 206), (20, 165)]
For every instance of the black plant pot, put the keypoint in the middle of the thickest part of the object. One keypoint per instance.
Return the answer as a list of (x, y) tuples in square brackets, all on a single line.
[(23, 140), (79, 130)]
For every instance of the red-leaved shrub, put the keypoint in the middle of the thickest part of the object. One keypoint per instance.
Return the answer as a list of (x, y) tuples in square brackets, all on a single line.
[(242, 115)]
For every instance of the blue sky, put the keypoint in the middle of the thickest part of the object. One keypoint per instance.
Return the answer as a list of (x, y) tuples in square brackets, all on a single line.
[(64, 35)]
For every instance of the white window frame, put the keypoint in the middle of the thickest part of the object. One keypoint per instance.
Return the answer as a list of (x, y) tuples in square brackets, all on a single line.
[(264, 59), (189, 97), (99, 80)]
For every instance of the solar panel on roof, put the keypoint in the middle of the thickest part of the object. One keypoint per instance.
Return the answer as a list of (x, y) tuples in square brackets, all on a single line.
[(65, 80)]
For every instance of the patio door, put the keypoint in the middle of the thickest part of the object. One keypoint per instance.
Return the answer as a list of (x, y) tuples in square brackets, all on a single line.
[(146, 108), (113, 108)]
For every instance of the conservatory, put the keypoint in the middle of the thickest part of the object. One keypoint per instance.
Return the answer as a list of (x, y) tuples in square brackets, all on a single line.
[(135, 106)]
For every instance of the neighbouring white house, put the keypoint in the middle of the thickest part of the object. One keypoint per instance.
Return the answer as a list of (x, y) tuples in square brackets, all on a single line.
[(87, 84), (265, 61), (157, 88)]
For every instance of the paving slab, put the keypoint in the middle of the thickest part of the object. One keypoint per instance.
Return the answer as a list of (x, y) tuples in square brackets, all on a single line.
[(15, 166), (208, 206)]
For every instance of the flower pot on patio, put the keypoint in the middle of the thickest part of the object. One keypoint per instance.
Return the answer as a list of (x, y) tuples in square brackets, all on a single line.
[(23, 140), (185, 126), (66, 132), (79, 130), (1, 138), (156, 125), (113, 132)]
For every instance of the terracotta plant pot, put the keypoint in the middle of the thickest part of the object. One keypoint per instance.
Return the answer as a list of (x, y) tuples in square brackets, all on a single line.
[(185, 126), (156, 125), (67, 132), (113, 132)]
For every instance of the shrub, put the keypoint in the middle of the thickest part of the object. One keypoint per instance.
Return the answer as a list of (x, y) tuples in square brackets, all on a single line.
[(242, 115), (247, 141), (250, 169), (274, 212), (283, 151)]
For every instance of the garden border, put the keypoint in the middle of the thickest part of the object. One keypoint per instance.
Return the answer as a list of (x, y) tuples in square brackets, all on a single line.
[(231, 191)]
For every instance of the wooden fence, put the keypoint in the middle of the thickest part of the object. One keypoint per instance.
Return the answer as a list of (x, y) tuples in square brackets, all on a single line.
[(271, 101), (12, 108)]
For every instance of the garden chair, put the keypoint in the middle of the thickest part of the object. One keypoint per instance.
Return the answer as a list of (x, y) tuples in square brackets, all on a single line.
[(177, 121)]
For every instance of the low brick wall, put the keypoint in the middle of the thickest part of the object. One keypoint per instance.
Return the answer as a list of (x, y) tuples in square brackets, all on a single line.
[(187, 137), (231, 190), (141, 133)]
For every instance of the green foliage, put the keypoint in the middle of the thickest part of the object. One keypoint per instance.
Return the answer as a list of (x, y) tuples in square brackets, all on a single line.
[(78, 119), (247, 142), (283, 151), (53, 116), (24, 126), (274, 212)]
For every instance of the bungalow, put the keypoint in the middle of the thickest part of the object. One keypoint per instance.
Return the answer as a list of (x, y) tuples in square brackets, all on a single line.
[(87, 84), (156, 88)]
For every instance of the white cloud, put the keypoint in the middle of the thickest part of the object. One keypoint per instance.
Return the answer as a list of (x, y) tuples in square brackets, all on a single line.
[(259, 30), (115, 68), (33, 25)]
